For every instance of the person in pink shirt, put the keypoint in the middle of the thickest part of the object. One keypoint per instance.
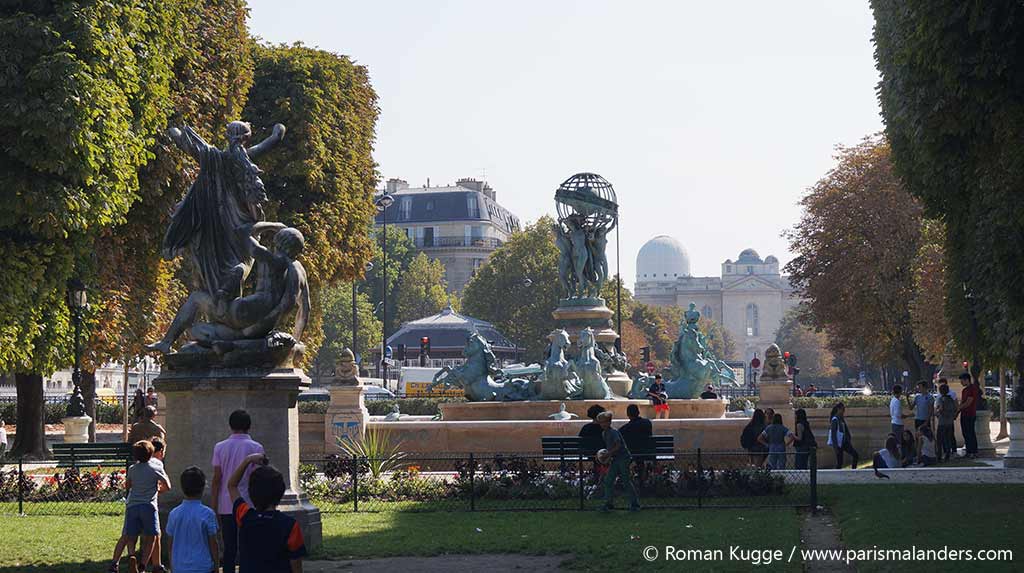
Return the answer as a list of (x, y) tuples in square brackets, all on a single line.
[(227, 455)]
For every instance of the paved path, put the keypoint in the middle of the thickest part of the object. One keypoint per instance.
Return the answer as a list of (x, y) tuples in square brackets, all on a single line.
[(441, 564), (820, 531)]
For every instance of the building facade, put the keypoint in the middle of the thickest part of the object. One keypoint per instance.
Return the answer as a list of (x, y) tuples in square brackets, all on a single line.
[(749, 299), (459, 225)]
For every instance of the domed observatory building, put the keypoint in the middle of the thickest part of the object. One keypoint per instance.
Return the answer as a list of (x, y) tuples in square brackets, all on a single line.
[(748, 300)]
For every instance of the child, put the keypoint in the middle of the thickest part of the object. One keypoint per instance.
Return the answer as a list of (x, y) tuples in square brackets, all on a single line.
[(158, 449), (192, 528), (145, 479), (926, 446), (268, 540)]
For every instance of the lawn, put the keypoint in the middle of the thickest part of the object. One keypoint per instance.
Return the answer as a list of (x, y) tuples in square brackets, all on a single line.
[(595, 540), (929, 516)]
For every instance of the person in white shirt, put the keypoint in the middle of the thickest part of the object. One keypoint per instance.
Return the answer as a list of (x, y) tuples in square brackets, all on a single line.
[(896, 410), (887, 457), (3, 439)]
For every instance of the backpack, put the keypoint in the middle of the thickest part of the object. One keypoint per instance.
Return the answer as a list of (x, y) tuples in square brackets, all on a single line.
[(747, 438)]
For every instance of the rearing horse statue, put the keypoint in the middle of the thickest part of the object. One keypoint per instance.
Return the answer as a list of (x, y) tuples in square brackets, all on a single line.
[(560, 382), (589, 368)]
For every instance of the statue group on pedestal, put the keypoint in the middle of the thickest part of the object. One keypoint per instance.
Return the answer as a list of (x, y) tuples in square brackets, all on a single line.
[(561, 378), (220, 224), (582, 262), (693, 365)]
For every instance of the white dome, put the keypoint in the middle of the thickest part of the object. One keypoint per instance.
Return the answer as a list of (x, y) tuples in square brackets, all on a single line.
[(662, 259)]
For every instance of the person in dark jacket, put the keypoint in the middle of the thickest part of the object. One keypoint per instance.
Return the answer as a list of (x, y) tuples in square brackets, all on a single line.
[(748, 439), (593, 429), (637, 426), (839, 436), (804, 442)]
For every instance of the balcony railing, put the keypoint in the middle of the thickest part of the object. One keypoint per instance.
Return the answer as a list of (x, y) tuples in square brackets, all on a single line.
[(440, 242)]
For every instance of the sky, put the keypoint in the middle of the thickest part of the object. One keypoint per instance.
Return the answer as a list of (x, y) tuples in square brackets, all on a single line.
[(710, 119)]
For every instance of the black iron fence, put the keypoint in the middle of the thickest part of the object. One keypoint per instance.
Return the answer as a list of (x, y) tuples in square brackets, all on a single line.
[(532, 482), (41, 489), (692, 479)]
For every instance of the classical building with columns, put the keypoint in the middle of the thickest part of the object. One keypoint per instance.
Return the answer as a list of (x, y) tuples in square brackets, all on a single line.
[(749, 299)]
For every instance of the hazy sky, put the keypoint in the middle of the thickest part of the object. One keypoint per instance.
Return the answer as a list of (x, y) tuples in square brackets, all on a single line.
[(709, 118)]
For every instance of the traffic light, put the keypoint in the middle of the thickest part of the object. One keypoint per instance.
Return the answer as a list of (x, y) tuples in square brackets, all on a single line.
[(424, 350), (645, 353), (400, 354)]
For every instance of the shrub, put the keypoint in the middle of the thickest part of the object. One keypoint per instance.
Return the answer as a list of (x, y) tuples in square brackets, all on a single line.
[(409, 406), (313, 407)]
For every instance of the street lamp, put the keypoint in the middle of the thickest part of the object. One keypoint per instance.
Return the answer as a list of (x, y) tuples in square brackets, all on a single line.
[(382, 204), (969, 297), (77, 302)]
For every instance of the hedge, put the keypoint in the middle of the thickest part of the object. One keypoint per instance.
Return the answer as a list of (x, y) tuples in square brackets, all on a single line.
[(408, 406)]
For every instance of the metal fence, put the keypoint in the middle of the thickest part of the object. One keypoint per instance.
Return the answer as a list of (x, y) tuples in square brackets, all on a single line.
[(692, 479), (532, 482), (38, 489)]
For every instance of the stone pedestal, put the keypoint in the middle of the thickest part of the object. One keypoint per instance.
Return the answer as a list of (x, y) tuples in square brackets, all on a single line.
[(1015, 453), (778, 395), (76, 429), (197, 406), (576, 314), (983, 430), (346, 415)]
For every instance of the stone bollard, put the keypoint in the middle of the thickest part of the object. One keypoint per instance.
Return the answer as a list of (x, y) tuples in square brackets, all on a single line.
[(986, 449), (346, 415), (1015, 453), (76, 429)]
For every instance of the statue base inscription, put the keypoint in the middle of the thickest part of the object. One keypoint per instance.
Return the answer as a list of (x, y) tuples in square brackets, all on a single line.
[(197, 404)]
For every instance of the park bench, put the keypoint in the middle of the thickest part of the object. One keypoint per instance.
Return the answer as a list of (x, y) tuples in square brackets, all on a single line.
[(84, 455), (562, 448)]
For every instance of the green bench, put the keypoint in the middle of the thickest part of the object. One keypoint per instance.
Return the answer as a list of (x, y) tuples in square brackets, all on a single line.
[(85, 455)]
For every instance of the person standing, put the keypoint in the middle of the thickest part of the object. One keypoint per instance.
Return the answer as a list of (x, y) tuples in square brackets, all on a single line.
[(138, 405), (191, 533), (803, 440), (3, 439), (619, 456), (945, 413), (923, 405), (659, 397), (896, 410), (228, 454), (147, 429), (151, 398), (776, 437), (969, 398), (748, 439), (839, 436)]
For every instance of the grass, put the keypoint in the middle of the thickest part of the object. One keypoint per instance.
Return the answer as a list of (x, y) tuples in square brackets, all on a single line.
[(929, 516), (593, 540)]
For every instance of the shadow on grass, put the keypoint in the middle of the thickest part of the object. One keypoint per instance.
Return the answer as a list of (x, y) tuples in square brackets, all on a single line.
[(66, 567)]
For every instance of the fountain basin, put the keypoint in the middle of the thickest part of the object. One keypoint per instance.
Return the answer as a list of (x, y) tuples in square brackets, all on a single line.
[(541, 409)]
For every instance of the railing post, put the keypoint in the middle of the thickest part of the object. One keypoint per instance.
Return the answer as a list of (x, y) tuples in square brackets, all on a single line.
[(579, 475), (21, 490), (472, 482), (355, 483), (700, 480), (813, 459)]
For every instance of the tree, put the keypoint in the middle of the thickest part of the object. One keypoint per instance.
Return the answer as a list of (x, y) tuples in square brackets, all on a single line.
[(927, 309), (498, 292), (321, 177), (400, 253), (855, 246), (87, 89), (951, 100), (422, 290), (810, 346), (719, 339), (337, 312)]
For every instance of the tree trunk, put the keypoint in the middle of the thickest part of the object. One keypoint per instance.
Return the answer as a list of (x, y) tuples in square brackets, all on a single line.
[(30, 439), (918, 367), (89, 394)]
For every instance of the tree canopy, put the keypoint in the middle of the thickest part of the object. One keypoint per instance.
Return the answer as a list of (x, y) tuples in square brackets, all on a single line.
[(855, 247), (422, 290), (321, 177), (951, 99), (815, 360), (523, 310)]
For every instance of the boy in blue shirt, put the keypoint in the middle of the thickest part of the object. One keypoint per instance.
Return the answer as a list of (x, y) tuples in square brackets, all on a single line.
[(192, 529), (268, 540)]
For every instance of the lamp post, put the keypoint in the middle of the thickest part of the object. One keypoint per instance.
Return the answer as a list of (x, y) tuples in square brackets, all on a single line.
[(975, 369), (77, 302), (618, 288), (382, 204)]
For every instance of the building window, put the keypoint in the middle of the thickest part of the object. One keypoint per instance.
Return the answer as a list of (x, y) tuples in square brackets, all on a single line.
[(472, 206), (405, 208), (728, 268), (750, 270), (706, 312), (752, 320), (430, 205)]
